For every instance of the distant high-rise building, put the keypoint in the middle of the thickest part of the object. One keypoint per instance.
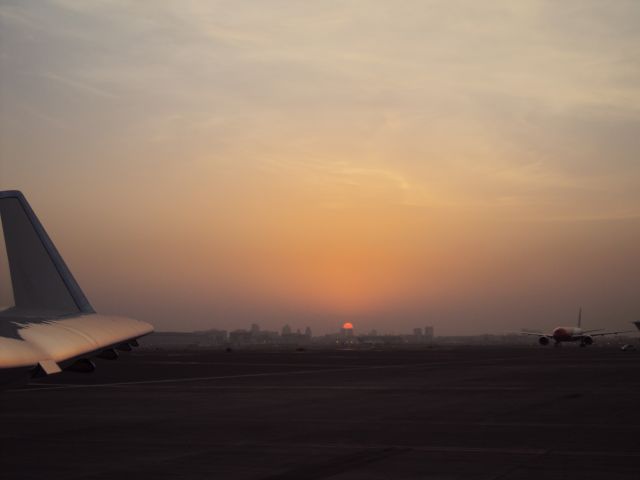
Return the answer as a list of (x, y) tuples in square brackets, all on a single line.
[(286, 330), (428, 332), (255, 329), (417, 332), (307, 332)]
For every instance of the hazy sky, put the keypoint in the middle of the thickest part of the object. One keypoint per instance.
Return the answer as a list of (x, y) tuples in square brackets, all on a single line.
[(469, 165)]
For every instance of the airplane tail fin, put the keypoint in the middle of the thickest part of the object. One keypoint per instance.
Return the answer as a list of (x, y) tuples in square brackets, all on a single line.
[(580, 317), (35, 279)]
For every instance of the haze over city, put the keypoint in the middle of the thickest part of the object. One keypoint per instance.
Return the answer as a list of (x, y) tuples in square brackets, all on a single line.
[(467, 165)]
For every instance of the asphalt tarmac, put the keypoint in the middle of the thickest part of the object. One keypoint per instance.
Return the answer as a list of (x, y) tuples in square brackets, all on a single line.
[(437, 413)]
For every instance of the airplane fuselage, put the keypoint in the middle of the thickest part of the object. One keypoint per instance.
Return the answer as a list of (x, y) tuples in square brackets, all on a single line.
[(567, 334)]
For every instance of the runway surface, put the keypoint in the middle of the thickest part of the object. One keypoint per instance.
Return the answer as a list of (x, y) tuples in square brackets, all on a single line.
[(440, 413)]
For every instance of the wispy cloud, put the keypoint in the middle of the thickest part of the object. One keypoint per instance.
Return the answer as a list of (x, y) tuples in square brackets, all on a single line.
[(82, 87)]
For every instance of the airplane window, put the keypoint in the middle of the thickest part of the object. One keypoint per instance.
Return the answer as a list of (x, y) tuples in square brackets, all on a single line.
[(32, 278)]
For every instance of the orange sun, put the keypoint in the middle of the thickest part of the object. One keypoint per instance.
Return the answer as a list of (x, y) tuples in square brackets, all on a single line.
[(347, 326)]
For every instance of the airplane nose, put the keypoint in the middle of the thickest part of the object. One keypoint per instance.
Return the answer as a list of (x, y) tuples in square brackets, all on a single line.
[(559, 332)]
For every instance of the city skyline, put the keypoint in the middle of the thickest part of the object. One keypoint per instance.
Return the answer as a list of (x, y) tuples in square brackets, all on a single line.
[(255, 336)]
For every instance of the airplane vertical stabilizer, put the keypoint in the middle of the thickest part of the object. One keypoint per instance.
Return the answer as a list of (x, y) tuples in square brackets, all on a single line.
[(41, 281), (580, 317)]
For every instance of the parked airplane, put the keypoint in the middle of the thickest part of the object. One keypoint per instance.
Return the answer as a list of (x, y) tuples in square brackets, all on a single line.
[(571, 334), (46, 323)]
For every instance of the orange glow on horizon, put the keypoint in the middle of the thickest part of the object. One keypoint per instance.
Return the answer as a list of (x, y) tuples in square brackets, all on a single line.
[(347, 326)]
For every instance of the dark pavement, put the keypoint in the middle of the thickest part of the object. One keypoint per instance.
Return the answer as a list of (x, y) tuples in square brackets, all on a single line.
[(440, 413)]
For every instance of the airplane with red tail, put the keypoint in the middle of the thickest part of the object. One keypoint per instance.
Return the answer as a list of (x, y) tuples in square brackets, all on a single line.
[(571, 334)]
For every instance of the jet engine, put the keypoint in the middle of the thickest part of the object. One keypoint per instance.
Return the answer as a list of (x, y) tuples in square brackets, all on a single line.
[(587, 340), (543, 341)]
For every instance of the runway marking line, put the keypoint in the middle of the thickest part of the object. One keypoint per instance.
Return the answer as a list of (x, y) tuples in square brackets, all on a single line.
[(222, 377), (247, 375), (200, 379), (452, 449)]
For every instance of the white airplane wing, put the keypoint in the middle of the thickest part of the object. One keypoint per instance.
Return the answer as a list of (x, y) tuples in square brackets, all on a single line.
[(536, 334), (607, 333), (46, 322)]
